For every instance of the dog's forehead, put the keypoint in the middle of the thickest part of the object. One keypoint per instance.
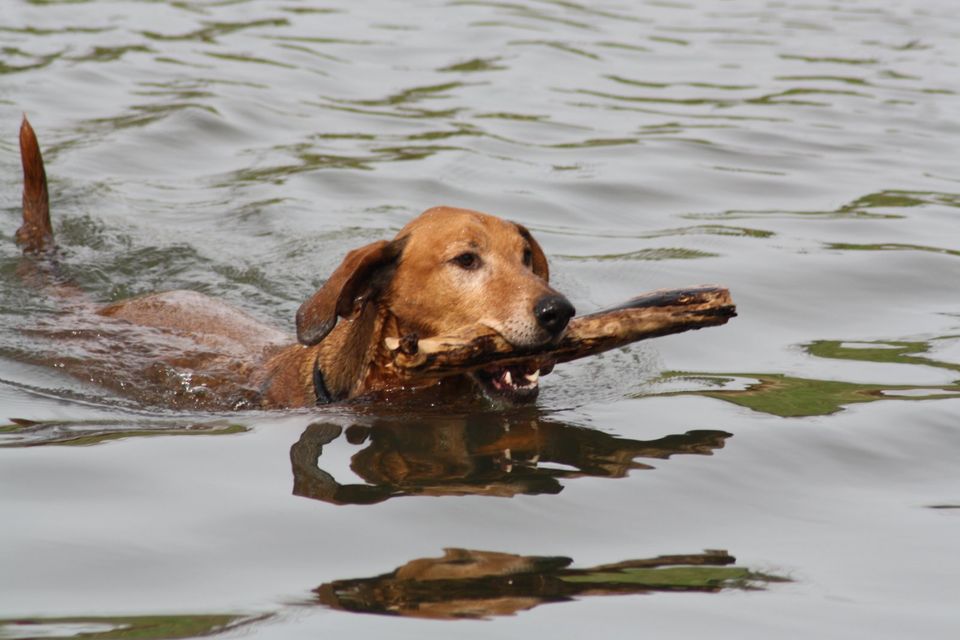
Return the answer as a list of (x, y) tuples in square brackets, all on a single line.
[(443, 226)]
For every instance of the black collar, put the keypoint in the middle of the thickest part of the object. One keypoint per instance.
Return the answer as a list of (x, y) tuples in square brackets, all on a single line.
[(319, 386)]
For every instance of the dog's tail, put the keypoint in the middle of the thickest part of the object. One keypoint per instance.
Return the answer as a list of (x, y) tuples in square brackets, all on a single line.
[(35, 235), (41, 266)]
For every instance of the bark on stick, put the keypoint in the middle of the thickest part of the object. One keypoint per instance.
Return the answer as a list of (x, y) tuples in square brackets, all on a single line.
[(654, 314)]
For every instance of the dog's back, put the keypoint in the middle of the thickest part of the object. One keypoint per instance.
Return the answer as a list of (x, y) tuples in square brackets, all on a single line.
[(176, 349)]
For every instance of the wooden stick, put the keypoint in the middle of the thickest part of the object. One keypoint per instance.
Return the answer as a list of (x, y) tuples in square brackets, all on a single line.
[(654, 314)]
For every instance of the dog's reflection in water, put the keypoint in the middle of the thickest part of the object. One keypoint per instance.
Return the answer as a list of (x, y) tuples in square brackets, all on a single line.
[(480, 454), (468, 584)]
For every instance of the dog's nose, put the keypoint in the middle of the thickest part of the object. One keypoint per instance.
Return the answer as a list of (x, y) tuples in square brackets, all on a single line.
[(553, 312)]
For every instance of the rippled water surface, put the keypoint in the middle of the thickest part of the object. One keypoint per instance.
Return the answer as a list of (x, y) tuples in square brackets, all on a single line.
[(792, 474)]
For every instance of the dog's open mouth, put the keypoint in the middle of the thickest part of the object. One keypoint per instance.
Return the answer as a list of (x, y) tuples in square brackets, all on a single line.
[(516, 382)]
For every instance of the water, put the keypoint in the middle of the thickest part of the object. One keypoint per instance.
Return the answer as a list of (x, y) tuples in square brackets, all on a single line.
[(802, 154)]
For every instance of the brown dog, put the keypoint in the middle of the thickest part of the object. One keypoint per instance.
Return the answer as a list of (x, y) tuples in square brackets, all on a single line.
[(446, 270)]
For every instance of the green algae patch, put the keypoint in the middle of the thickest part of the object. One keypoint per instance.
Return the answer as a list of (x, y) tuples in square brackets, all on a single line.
[(655, 255), (121, 627), (79, 433), (791, 397), (893, 351), (890, 246)]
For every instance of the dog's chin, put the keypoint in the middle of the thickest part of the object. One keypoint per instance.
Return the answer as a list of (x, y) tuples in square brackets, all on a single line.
[(512, 384)]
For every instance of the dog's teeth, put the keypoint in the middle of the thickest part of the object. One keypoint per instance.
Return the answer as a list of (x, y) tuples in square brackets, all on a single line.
[(507, 378), (533, 377)]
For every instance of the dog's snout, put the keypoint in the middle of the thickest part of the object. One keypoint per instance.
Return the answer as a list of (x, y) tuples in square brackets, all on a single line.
[(553, 312)]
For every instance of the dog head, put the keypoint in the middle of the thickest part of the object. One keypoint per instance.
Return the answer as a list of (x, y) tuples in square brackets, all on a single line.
[(449, 269)]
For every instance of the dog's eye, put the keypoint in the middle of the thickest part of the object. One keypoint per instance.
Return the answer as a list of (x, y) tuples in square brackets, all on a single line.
[(467, 260), (527, 257)]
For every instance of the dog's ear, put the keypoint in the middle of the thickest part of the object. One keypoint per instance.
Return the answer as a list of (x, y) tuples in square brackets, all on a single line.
[(360, 276), (540, 266)]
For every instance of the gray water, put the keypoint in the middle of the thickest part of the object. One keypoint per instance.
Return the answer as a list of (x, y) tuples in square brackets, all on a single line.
[(804, 154)]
